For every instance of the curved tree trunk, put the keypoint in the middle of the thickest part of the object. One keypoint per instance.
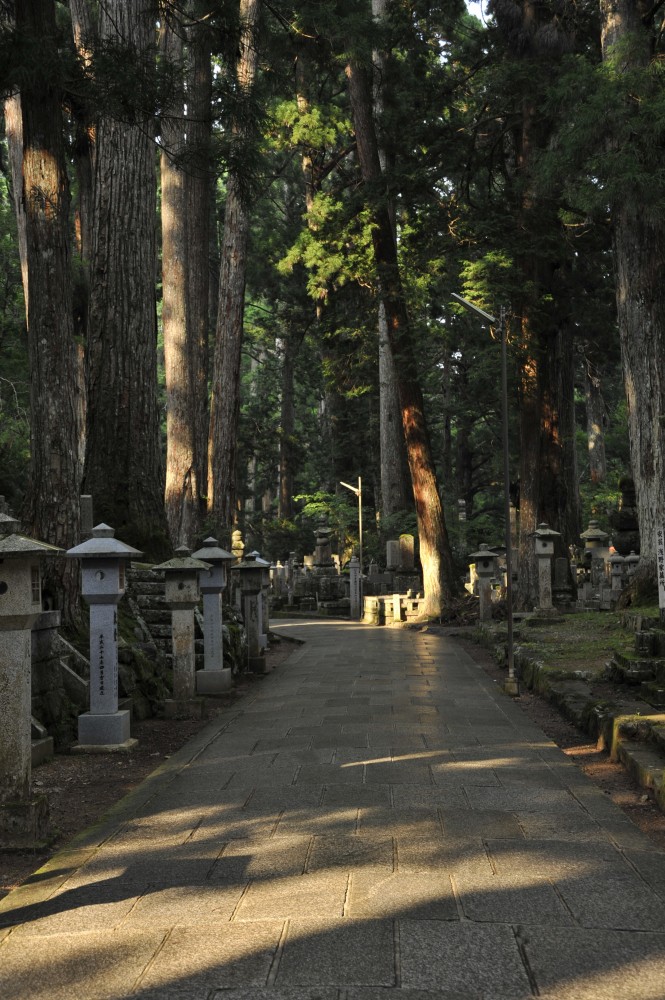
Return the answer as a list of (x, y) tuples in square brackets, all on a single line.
[(123, 469), (55, 405), (439, 579)]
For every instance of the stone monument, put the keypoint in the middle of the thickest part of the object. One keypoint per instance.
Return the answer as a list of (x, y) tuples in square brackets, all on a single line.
[(215, 678)]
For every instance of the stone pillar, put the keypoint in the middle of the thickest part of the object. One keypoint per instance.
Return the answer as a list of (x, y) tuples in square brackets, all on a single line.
[(87, 516), (354, 588), (392, 555), (406, 553), (485, 562), (23, 815), (182, 595), (251, 572), (214, 678), (103, 560), (617, 567), (397, 609), (544, 538)]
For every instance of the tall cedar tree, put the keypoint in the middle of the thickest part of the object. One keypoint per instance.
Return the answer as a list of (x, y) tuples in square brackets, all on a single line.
[(123, 466), (55, 388), (629, 39), (439, 578), (225, 397)]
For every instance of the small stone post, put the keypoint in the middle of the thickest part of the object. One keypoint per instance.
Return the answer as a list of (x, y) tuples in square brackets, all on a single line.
[(354, 588), (251, 582), (182, 595), (617, 567), (23, 815), (103, 560), (544, 537), (263, 599), (215, 678), (87, 515), (485, 561)]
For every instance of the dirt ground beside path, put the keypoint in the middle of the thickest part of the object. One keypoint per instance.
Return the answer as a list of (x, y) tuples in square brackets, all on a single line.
[(82, 788)]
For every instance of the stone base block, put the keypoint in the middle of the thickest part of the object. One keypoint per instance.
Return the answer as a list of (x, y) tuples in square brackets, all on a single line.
[(100, 748), (104, 730), (214, 681), (258, 665), (511, 687), (190, 708), (41, 750), (24, 824)]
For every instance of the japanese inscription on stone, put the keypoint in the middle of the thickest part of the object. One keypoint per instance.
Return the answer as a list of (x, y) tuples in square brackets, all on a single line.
[(660, 538)]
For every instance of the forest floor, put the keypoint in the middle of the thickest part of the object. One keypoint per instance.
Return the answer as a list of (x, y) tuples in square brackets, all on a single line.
[(81, 788)]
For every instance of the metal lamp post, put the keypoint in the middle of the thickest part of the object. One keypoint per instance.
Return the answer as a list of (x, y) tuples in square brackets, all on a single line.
[(512, 685), (358, 490)]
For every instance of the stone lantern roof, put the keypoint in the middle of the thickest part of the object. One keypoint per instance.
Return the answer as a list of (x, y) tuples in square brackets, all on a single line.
[(16, 546), (103, 545), (211, 552), (183, 561)]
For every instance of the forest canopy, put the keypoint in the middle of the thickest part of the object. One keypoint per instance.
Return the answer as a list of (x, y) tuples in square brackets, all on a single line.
[(229, 237)]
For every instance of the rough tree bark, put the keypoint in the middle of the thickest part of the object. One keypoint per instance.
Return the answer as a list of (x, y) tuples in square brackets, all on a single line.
[(199, 188), (55, 412), (393, 460), (123, 469), (225, 397), (14, 135), (595, 424), (181, 489), (439, 579), (639, 250)]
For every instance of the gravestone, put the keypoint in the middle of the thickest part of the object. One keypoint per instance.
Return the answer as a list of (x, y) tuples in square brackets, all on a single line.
[(406, 554)]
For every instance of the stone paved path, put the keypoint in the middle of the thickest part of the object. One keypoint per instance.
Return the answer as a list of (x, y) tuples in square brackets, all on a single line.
[(379, 823)]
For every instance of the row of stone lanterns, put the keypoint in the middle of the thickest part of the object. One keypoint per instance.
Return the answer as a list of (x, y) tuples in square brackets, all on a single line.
[(23, 815)]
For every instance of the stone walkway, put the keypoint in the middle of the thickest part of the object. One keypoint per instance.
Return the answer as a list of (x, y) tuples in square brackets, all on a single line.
[(379, 822)]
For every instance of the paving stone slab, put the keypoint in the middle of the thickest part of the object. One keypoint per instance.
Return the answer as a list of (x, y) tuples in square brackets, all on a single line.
[(398, 773), (387, 895), (310, 896), (200, 904), (264, 801), (484, 961), (329, 774), (341, 953), (419, 796), (480, 823), (226, 956), (292, 993), (577, 964), (443, 855), (508, 899), (519, 800), (87, 908), (415, 822), (326, 820), (356, 795), (99, 965), (615, 900), (242, 861), (350, 853)]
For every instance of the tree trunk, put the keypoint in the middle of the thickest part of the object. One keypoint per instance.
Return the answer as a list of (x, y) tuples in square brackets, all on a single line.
[(595, 425), (393, 460), (14, 134), (55, 411), (290, 348), (199, 189), (225, 398), (439, 579), (639, 250), (123, 458), (181, 486)]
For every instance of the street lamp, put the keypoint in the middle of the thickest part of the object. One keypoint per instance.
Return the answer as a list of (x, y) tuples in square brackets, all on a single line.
[(358, 490), (512, 685)]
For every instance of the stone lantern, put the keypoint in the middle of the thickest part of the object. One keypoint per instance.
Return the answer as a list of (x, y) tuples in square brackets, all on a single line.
[(486, 566), (264, 607), (251, 573), (214, 678), (596, 551), (182, 592), (632, 561), (617, 569), (103, 561), (354, 587), (544, 538), (23, 816)]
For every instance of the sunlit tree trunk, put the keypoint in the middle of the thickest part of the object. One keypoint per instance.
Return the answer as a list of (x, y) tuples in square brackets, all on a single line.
[(180, 493), (225, 397), (439, 579), (14, 134), (55, 411), (595, 423), (124, 470)]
